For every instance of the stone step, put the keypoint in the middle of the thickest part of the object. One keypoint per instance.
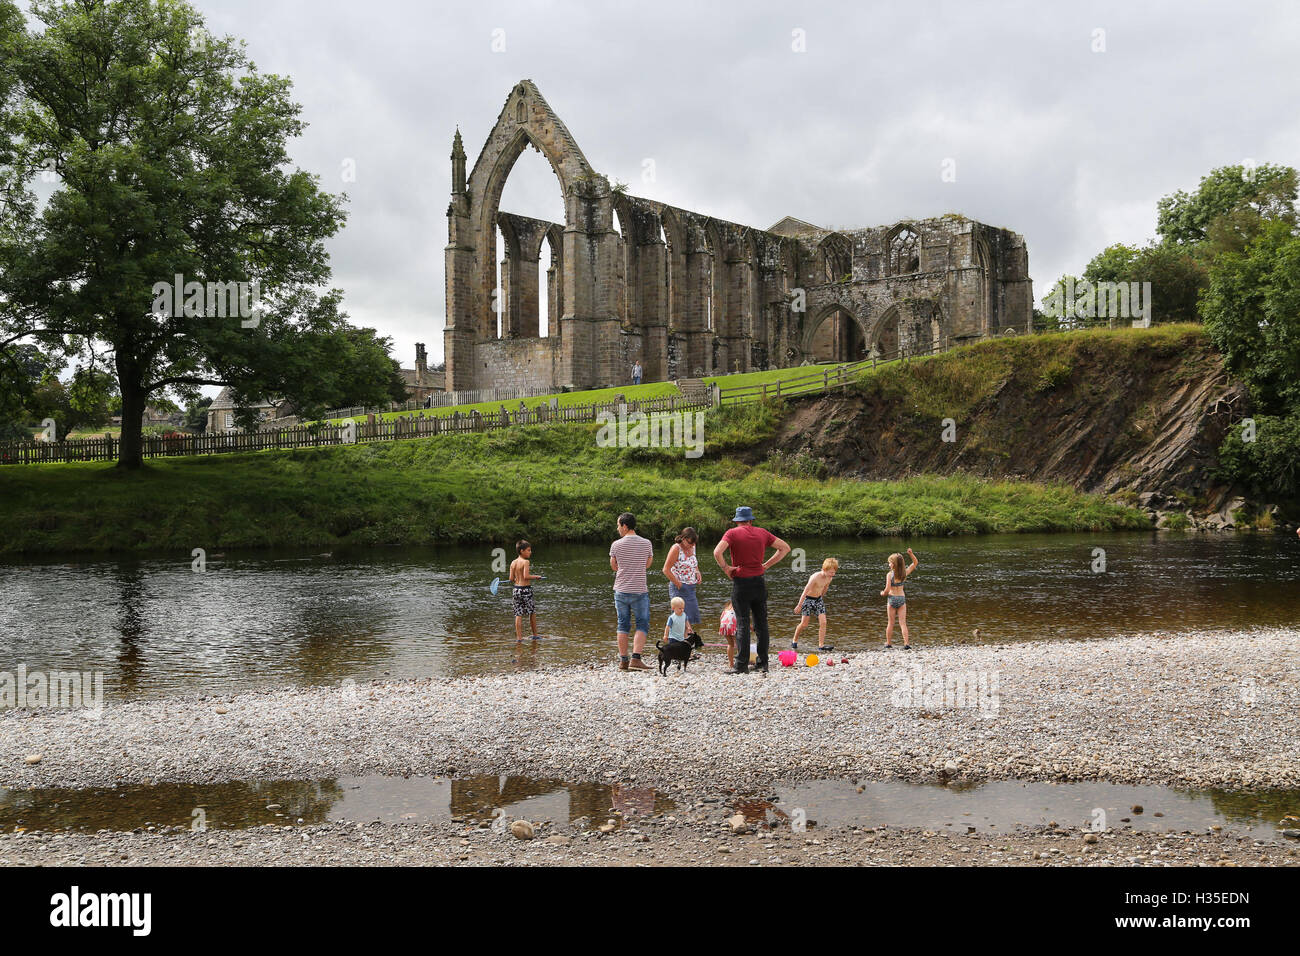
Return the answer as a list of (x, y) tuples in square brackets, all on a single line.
[(694, 389)]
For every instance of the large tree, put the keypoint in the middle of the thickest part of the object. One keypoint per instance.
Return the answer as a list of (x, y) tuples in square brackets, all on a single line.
[(1258, 192), (166, 152), (1252, 314)]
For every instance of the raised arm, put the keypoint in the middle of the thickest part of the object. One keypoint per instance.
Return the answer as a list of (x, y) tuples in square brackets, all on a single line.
[(913, 565)]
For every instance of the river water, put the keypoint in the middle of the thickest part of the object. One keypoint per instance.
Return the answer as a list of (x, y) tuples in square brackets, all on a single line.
[(154, 626)]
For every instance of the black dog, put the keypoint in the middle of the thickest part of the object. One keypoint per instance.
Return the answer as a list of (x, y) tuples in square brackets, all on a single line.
[(679, 651)]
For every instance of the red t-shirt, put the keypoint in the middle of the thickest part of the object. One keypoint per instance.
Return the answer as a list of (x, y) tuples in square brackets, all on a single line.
[(748, 542)]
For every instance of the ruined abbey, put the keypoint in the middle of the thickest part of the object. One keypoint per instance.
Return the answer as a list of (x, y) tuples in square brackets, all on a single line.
[(690, 295)]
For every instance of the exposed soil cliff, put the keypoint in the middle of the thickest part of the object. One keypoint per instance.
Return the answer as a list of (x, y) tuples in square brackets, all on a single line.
[(1138, 411)]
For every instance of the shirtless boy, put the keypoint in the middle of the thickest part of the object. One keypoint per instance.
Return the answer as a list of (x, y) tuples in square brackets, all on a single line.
[(813, 601), (522, 577)]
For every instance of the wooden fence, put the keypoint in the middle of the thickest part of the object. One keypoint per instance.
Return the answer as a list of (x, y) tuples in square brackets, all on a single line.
[(309, 436), (818, 381), (458, 423), (473, 396)]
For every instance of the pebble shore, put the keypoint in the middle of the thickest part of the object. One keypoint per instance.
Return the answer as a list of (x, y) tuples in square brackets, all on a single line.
[(1217, 709)]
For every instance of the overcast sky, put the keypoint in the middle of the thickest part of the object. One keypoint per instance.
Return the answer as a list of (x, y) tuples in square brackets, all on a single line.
[(1067, 146)]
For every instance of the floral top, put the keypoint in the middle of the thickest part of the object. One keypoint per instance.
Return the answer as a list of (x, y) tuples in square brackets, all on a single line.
[(686, 567)]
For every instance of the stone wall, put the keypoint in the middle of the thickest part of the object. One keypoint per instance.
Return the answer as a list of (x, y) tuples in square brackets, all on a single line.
[(689, 294), (505, 363)]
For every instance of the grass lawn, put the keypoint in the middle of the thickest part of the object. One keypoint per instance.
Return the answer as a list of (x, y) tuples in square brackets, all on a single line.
[(602, 395), (550, 482)]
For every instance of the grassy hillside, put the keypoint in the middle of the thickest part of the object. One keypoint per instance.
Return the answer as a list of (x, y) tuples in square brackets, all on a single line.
[(1127, 410), (548, 483)]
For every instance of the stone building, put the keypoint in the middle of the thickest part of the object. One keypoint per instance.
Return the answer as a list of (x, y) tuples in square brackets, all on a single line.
[(221, 413), (688, 294), (419, 381)]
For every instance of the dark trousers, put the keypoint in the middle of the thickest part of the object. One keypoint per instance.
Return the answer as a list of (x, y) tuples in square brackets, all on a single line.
[(749, 596)]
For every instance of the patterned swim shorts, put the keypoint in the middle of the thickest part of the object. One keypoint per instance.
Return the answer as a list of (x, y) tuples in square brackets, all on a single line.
[(524, 604), (813, 606)]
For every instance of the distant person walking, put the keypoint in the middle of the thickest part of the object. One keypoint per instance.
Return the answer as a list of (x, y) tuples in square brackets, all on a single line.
[(682, 569), (630, 558), (747, 544), (636, 373)]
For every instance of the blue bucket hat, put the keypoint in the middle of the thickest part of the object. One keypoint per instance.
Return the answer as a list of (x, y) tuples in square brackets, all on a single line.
[(743, 514)]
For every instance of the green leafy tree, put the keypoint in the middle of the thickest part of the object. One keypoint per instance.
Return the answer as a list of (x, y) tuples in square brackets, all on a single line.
[(1112, 264), (81, 402), (1177, 276), (168, 151), (1260, 192), (196, 414), (1252, 314)]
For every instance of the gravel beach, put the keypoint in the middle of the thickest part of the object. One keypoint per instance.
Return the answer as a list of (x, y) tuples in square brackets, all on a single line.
[(1200, 710)]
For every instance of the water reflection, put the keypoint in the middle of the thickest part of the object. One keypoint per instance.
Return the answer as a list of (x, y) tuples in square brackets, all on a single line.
[(242, 804), (485, 800), (273, 619)]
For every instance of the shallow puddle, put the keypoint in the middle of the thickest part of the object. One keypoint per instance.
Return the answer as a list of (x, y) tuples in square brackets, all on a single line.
[(998, 806)]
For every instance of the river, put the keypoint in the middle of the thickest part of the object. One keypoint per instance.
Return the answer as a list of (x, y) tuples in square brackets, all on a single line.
[(153, 626)]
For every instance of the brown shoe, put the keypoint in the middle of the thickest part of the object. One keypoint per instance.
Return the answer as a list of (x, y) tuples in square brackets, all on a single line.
[(622, 664), (636, 664)]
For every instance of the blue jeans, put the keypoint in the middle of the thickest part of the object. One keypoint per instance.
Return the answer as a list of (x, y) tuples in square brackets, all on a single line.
[(626, 605)]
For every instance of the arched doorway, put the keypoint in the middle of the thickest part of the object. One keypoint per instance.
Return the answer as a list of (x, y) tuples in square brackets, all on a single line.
[(884, 336), (835, 336)]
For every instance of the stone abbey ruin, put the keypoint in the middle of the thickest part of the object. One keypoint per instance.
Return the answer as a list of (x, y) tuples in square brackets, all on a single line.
[(690, 295)]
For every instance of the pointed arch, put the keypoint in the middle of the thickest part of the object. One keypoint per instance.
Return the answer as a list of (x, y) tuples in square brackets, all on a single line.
[(834, 258), (903, 250), (883, 338), (539, 129), (844, 339)]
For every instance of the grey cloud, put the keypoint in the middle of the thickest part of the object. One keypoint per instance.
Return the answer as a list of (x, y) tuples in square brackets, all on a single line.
[(1069, 147)]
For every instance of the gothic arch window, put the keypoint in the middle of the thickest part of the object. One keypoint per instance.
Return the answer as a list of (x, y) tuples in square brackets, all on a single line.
[(903, 255), (837, 262), (519, 112)]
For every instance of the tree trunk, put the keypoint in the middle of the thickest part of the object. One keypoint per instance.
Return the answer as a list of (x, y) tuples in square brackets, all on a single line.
[(131, 450)]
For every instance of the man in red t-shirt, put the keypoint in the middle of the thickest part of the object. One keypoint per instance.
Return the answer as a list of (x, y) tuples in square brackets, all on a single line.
[(748, 543)]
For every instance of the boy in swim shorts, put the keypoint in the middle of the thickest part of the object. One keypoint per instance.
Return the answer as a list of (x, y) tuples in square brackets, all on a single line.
[(522, 577), (813, 601)]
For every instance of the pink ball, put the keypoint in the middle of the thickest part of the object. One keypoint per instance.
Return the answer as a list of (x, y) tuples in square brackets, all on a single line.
[(787, 658)]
